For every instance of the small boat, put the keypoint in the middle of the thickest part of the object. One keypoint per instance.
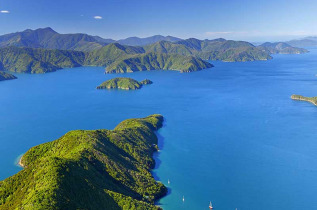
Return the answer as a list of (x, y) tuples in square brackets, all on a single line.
[(210, 205), (168, 182), (183, 199)]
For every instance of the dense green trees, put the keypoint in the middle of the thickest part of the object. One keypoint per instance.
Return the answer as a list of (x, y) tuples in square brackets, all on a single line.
[(156, 61), (97, 169)]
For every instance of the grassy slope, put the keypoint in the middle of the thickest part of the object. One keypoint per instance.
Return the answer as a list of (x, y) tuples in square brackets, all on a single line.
[(97, 169)]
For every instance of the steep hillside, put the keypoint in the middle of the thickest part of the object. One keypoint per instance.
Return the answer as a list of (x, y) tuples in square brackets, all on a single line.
[(218, 49), (30, 60), (92, 169), (49, 39), (136, 41), (157, 61)]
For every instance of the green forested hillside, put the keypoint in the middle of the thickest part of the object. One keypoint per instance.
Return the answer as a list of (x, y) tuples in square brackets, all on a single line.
[(31, 60), (218, 49), (124, 83), (89, 169), (116, 57), (136, 41), (155, 61), (111, 53), (47, 38)]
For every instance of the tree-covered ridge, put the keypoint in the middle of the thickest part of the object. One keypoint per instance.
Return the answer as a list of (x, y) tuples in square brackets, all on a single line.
[(157, 61), (123, 83), (47, 38), (89, 169), (136, 41), (111, 53), (312, 100), (218, 49), (280, 48), (6, 76), (31, 60)]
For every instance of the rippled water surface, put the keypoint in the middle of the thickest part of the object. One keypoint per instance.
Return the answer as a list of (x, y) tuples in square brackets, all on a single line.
[(232, 134)]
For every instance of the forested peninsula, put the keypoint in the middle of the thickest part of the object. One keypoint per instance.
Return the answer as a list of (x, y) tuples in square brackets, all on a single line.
[(89, 169)]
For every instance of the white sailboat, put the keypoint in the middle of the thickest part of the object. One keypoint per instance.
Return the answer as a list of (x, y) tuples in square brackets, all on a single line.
[(210, 205), (168, 182), (183, 199)]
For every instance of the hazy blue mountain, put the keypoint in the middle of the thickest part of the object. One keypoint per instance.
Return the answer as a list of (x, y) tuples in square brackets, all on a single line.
[(280, 48), (310, 41), (102, 40), (136, 41)]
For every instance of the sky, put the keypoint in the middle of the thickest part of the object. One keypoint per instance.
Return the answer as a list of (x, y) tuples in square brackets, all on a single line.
[(250, 20)]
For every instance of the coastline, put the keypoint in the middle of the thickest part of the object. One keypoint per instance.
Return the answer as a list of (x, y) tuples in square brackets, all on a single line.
[(138, 169), (20, 162), (312, 100)]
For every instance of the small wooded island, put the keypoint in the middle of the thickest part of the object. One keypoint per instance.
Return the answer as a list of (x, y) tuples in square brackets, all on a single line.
[(123, 83), (312, 100), (89, 169), (6, 76)]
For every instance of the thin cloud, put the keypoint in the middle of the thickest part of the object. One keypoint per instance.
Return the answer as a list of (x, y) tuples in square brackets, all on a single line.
[(98, 17), (4, 11)]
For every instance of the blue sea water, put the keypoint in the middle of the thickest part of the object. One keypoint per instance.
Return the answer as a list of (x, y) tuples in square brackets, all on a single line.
[(232, 135)]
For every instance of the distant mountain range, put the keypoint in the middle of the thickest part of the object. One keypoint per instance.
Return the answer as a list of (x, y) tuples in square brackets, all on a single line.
[(45, 50), (117, 58), (47, 38), (310, 41), (281, 48), (136, 41), (217, 49)]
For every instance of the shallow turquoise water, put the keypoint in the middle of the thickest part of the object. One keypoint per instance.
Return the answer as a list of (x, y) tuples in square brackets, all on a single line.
[(232, 134)]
